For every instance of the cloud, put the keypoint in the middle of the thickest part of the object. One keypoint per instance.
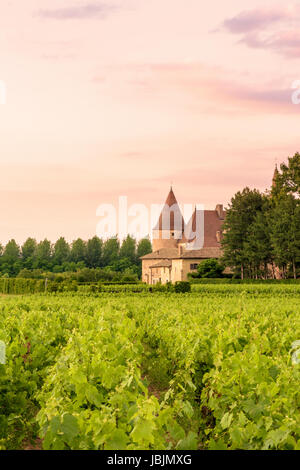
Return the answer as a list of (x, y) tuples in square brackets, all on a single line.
[(253, 20), (268, 29), (90, 10), (286, 43)]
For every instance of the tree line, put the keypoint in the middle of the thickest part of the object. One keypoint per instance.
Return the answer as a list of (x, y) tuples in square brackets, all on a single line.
[(110, 255), (261, 232)]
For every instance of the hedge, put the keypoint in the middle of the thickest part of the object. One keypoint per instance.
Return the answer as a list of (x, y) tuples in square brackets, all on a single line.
[(21, 286), (32, 286), (243, 281)]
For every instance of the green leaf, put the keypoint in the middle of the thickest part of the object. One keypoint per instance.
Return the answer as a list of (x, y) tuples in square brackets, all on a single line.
[(69, 426), (143, 431), (236, 435), (117, 440), (217, 445), (190, 442), (226, 420), (79, 377), (55, 424), (176, 431), (93, 396), (274, 372), (58, 444), (188, 409), (276, 436)]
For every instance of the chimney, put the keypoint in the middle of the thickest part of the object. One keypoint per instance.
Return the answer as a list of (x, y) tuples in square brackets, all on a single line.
[(220, 212)]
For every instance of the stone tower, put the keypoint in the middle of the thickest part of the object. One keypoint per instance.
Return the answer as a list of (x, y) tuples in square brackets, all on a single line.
[(170, 226)]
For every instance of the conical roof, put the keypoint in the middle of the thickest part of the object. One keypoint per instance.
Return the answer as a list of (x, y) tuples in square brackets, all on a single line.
[(170, 216), (275, 176), (171, 199)]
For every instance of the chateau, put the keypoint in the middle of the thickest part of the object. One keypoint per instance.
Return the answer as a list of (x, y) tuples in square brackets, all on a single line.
[(176, 247)]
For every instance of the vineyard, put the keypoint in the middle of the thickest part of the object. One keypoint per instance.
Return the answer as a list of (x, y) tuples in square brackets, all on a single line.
[(214, 368)]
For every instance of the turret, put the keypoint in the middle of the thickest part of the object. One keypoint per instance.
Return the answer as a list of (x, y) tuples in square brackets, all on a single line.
[(170, 226)]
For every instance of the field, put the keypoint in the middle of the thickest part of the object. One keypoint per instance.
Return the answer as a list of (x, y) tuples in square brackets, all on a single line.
[(211, 369)]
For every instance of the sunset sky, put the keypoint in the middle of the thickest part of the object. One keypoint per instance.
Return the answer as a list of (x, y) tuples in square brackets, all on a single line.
[(122, 97)]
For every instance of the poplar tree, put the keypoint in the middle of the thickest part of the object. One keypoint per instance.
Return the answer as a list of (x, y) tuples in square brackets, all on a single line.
[(237, 227), (78, 251), (94, 252), (111, 248)]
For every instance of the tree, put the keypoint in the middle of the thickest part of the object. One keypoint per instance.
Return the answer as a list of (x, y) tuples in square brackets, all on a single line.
[(111, 248), (285, 233), (128, 249), (258, 249), (28, 248), (94, 252), (78, 251), (210, 268), (11, 252), (290, 175), (61, 251), (239, 217), (10, 262), (122, 264), (43, 255), (28, 252), (143, 248)]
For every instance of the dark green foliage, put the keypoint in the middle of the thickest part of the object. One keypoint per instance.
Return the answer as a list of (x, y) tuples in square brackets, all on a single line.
[(43, 255), (90, 261), (285, 233), (94, 252), (128, 249), (210, 268), (240, 216), (289, 179), (144, 247), (111, 250), (78, 251), (61, 251), (262, 231), (182, 286), (227, 280)]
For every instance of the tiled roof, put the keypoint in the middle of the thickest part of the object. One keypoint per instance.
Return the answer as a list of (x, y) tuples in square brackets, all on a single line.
[(162, 264), (173, 253), (163, 253), (212, 225), (208, 252)]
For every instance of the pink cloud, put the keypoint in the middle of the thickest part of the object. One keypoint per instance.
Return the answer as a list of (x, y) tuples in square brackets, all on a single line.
[(252, 20), (270, 29), (286, 43)]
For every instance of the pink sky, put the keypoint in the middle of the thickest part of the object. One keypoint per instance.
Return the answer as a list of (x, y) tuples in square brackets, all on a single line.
[(122, 97)]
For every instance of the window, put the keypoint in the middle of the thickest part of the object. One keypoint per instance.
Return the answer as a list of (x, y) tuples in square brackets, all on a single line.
[(194, 266)]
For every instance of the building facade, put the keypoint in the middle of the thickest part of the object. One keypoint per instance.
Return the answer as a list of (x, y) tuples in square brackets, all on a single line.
[(178, 248)]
